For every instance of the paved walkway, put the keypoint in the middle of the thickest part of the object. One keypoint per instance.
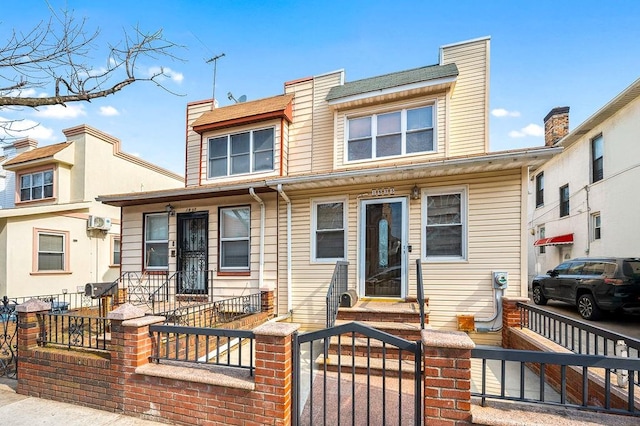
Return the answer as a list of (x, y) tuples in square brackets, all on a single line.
[(20, 410)]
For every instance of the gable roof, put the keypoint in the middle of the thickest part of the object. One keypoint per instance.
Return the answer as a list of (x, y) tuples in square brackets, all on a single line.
[(396, 79), (38, 153), (245, 112)]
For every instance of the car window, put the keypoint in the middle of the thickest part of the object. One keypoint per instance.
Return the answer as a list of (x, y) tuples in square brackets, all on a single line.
[(575, 268), (593, 268), (631, 268), (562, 268), (610, 268)]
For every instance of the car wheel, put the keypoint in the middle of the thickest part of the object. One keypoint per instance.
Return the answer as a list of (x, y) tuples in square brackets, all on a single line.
[(588, 308), (538, 297)]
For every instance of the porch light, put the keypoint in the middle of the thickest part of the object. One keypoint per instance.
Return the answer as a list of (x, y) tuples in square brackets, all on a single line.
[(170, 209), (415, 192)]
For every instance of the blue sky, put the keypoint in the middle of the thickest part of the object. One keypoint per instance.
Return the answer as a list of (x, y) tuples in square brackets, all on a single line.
[(543, 54)]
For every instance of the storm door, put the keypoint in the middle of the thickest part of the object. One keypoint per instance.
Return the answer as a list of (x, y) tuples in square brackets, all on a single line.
[(382, 248), (191, 265)]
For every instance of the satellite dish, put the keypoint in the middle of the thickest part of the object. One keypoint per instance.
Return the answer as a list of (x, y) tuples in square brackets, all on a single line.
[(242, 98)]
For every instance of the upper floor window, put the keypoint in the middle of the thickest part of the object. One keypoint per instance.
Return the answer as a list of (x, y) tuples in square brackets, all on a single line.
[(52, 251), (329, 230), (156, 241), (597, 164), (445, 218), (541, 233), (390, 134), (564, 201), (235, 245), (540, 189), (36, 185), (241, 153)]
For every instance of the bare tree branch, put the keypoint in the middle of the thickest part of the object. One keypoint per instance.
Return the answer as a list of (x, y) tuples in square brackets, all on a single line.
[(55, 56)]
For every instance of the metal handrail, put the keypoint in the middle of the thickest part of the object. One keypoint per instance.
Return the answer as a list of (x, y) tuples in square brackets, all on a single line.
[(420, 292), (337, 286)]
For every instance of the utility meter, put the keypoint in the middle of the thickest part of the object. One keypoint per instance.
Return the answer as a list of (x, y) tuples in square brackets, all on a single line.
[(500, 279)]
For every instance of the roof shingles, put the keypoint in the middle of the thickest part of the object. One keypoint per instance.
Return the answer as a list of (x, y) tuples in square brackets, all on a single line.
[(38, 153)]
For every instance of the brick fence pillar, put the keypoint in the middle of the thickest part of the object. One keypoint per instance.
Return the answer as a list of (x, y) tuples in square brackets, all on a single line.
[(510, 317), (447, 377), (267, 298), (273, 373)]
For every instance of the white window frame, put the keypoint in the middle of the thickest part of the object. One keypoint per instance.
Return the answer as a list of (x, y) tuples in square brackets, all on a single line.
[(252, 153), (116, 241), (223, 239), (65, 251), (596, 225), (314, 227), (542, 230), (31, 175), (464, 202), (159, 241), (403, 133)]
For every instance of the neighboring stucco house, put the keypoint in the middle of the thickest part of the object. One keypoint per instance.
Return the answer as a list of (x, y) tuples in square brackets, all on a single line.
[(54, 235), (581, 202), (378, 172)]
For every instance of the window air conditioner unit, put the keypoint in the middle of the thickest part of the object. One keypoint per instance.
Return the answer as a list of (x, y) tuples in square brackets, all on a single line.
[(97, 222)]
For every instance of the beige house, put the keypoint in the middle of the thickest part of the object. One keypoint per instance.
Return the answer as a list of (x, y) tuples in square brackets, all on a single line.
[(579, 203), (378, 172), (54, 235)]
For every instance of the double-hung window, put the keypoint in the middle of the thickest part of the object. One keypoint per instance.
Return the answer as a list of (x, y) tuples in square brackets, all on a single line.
[(329, 230), (241, 153), (564, 200), (235, 244), (596, 225), (391, 134), (36, 186), (156, 241), (597, 160), (540, 189), (445, 221), (542, 233), (52, 251), (115, 251)]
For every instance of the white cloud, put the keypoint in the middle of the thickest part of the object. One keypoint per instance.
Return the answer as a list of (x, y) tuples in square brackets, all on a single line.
[(501, 112), (529, 130), (109, 111), (173, 75), (62, 112), (21, 129)]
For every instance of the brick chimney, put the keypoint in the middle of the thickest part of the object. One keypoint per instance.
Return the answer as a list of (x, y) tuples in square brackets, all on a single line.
[(556, 125)]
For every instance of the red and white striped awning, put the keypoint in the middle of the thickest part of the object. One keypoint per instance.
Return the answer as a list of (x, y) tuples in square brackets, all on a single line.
[(554, 241)]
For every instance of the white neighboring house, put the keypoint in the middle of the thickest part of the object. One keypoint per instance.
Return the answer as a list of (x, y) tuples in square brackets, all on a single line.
[(54, 235), (582, 202)]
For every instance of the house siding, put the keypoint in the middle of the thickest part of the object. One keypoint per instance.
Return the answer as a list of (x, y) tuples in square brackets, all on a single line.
[(299, 148), (494, 243), (193, 143), (469, 108)]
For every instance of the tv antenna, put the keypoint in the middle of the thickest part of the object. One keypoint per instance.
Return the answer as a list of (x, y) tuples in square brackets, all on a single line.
[(215, 69), (240, 100)]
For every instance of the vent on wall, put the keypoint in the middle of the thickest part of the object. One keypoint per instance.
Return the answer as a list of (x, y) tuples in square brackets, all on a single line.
[(97, 222)]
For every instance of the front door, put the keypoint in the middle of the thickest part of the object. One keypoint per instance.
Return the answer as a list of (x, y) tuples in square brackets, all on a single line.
[(192, 253), (382, 250)]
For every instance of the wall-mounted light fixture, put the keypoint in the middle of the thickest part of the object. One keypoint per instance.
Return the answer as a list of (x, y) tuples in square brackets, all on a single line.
[(170, 209), (415, 192)]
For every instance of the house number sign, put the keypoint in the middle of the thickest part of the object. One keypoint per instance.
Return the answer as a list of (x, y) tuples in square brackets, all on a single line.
[(379, 192)]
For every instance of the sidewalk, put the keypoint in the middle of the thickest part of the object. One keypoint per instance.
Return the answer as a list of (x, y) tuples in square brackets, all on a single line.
[(20, 410)]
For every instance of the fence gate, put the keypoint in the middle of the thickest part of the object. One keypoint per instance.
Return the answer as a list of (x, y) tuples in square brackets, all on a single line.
[(8, 338), (353, 374)]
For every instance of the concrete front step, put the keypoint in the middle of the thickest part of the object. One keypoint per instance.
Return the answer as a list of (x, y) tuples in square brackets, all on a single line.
[(404, 330), (364, 347), (393, 311), (362, 365)]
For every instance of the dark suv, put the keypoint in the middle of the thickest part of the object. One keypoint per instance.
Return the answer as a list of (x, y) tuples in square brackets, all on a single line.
[(593, 285)]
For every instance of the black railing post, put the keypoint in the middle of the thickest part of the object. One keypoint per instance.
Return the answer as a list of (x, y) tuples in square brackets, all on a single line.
[(420, 292)]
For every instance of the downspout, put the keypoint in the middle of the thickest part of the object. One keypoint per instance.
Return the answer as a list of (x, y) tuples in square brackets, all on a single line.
[(289, 280), (589, 236), (262, 219)]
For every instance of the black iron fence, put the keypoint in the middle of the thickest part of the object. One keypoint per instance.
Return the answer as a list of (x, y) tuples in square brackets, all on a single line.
[(587, 382), (578, 336), (212, 314), (420, 292), (211, 346), (65, 301), (338, 285), (74, 331), (8, 338)]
